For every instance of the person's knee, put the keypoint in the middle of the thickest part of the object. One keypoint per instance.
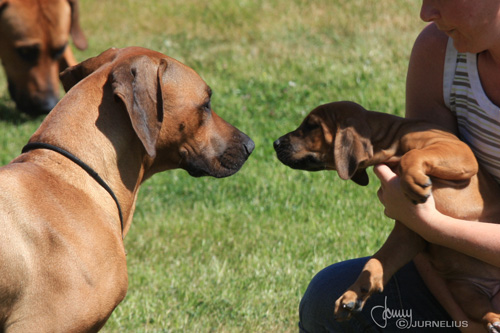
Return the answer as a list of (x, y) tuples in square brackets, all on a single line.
[(316, 309), (313, 310)]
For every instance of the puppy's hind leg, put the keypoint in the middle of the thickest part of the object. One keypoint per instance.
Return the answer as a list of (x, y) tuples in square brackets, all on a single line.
[(400, 247), (476, 304)]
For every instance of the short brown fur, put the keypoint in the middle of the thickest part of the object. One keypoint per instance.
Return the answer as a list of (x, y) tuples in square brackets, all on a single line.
[(61, 243)]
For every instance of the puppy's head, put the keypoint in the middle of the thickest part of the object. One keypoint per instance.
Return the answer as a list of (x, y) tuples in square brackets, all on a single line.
[(34, 49), (170, 110), (333, 136)]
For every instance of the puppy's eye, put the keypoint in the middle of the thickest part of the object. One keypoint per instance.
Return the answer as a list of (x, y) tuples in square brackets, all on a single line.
[(311, 126), (58, 52), (29, 53)]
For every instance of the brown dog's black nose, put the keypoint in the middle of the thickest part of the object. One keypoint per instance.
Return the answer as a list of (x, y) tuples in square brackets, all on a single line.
[(249, 146)]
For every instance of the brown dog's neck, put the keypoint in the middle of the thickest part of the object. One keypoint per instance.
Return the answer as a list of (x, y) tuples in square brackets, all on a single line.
[(97, 131), (37, 145)]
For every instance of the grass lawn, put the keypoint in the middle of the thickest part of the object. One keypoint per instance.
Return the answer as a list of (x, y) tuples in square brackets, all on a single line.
[(236, 254)]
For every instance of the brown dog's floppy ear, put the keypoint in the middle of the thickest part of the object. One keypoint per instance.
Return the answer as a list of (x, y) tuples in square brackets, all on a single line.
[(74, 74), (138, 84), (75, 30), (351, 148)]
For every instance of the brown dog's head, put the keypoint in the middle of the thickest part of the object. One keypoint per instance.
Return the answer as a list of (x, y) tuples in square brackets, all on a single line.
[(333, 136), (170, 111), (34, 49)]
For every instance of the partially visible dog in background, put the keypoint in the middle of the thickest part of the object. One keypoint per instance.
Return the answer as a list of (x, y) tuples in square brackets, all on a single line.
[(34, 38)]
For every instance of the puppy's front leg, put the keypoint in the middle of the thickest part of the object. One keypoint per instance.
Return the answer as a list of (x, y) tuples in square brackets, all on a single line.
[(400, 247), (447, 159)]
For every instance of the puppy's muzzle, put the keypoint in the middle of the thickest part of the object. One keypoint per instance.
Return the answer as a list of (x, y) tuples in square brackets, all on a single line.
[(295, 157)]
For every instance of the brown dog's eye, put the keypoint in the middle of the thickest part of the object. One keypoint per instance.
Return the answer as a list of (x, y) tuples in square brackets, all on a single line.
[(207, 106), (29, 53)]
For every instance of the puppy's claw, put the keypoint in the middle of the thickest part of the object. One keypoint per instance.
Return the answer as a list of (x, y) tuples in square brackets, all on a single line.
[(494, 328), (428, 183), (424, 199), (349, 306), (420, 200), (353, 306)]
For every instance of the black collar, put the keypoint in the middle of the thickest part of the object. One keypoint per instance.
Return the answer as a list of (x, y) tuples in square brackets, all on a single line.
[(80, 163)]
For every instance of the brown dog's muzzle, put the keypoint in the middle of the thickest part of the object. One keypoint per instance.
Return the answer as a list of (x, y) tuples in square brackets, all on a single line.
[(233, 154)]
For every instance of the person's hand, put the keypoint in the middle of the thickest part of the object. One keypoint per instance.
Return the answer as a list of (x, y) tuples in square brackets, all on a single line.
[(397, 206)]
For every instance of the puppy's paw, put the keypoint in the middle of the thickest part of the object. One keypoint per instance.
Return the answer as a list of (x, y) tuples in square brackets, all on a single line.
[(347, 304), (354, 299), (416, 186), (492, 321)]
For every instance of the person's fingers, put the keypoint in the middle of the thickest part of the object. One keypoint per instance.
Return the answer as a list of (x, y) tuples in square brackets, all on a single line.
[(386, 176), (384, 173), (380, 194)]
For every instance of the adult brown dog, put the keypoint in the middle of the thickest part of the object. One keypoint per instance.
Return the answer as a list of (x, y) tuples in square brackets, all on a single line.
[(130, 113), (345, 137), (34, 49)]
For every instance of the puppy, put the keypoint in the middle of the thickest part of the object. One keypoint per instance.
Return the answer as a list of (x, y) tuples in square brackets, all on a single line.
[(345, 137)]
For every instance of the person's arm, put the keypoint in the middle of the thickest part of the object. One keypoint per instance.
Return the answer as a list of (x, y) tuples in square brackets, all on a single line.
[(424, 100), (476, 239), (424, 81), (433, 226)]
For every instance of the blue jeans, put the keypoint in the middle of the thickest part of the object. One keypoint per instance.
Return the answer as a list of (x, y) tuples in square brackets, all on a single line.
[(405, 305)]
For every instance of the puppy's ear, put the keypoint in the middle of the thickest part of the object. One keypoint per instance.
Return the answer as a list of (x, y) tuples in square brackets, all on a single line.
[(352, 147), (361, 177), (75, 30), (138, 85), (74, 74)]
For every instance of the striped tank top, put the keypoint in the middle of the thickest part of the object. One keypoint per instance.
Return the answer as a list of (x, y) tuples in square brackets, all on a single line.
[(478, 118)]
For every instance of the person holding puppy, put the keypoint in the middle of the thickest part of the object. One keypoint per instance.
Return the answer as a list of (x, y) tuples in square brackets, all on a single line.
[(453, 80)]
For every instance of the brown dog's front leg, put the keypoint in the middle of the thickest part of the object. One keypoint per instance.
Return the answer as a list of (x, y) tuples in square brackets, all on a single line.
[(400, 247)]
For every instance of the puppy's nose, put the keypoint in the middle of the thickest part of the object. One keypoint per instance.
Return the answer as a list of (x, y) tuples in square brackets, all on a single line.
[(276, 143)]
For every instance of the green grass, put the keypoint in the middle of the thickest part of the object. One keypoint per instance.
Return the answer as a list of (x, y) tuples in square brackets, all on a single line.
[(236, 254)]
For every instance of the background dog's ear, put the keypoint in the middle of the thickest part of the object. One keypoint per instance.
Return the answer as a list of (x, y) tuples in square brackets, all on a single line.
[(352, 147), (75, 30), (138, 84), (74, 74)]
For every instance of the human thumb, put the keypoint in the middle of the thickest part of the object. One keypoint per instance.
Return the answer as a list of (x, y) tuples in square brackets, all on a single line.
[(384, 173)]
